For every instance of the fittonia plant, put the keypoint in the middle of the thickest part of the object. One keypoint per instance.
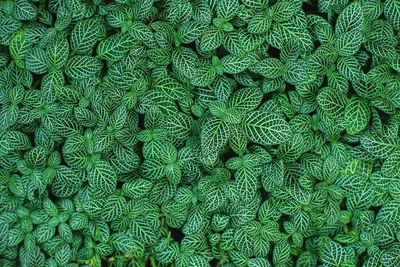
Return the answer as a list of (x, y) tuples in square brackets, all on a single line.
[(193, 133)]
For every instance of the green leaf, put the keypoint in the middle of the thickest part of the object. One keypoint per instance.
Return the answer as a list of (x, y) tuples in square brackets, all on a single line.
[(184, 60), (281, 253), (378, 145), (153, 168), (9, 25), (391, 9), (171, 87), (211, 39), (389, 212), (67, 94), (333, 254), (57, 52), (178, 125), (137, 188), (233, 64), (84, 36), (63, 254), (379, 45), (123, 243), (34, 257), (391, 166), (82, 67), (113, 207), (114, 47), (244, 242), (173, 173), (139, 31), (191, 31), (259, 23), (246, 99), (266, 128), (44, 232), (36, 61), (390, 257), (349, 68), (247, 183), (347, 238), (348, 43), (333, 102), (271, 68), (160, 56), (283, 10), (24, 10), (205, 75), (350, 19), (227, 9), (143, 232), (295, 72), (19, 46), (102, 177), (214, 135), (357, 115), (259, 4)]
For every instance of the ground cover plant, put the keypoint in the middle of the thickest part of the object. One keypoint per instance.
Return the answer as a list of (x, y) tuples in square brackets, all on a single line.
[(193, 133)]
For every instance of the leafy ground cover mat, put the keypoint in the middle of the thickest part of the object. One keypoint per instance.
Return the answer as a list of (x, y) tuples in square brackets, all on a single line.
[(195, 133)]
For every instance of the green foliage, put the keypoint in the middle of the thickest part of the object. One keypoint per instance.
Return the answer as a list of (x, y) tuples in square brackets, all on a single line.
[(195, 133)]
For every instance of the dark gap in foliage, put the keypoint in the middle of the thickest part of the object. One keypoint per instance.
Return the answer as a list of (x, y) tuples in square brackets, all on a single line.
[(273, 52), (141, 121), (141, 126), (267, 97), (52, 196), (228, 75), (310, 7), (214, 262), (119, 184), (284, 218), (367, 65), (227, 155), (290, 87), (375, 209), (177, 234), (269, 256), (191, 45), (36, 78), (221, 51), (104, 263), (264, 194)]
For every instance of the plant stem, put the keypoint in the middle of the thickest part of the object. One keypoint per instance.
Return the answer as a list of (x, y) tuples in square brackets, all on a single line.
[(153, 262)]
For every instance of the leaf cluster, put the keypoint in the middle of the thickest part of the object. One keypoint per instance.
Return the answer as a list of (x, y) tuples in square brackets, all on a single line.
[(195, 133)]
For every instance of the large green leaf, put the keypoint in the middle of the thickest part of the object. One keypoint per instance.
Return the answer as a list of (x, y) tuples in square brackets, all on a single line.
[(333, 102), (392, 12), (102, 177), (348, 43), (114, 47), (266, 128), (184, 60), (357, 115), (81, 67), (214, 135), (333, 254), (84, 36), (351, 18)]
